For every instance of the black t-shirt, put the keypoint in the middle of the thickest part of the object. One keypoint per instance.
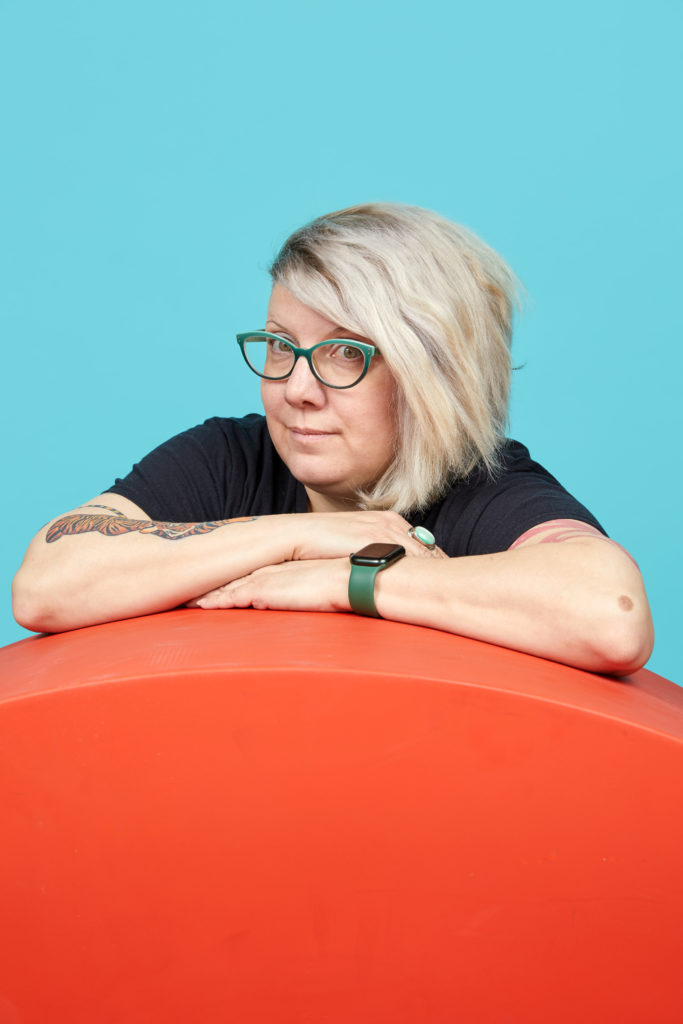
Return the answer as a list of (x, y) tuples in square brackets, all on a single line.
[(228, 467)]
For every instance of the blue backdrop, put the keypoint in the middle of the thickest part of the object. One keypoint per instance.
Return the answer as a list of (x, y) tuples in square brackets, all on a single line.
[(155, 154)]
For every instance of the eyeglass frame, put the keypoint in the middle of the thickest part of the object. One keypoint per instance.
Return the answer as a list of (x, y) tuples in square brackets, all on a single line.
[(363, 346)]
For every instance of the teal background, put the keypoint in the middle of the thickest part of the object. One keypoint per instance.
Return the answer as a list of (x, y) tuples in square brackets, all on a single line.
[(154, 154)]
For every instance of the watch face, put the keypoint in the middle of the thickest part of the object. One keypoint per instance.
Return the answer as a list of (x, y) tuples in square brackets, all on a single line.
[(378, 554)]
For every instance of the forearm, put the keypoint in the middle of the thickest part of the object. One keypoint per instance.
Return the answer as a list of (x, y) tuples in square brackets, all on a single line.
[(99, 563), (88, 567), (580, 602)]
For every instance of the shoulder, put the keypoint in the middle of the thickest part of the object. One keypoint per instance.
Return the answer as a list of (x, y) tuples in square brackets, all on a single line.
[(487, 511), (244, 431), (217, 440), (201, 473), (513, 459)]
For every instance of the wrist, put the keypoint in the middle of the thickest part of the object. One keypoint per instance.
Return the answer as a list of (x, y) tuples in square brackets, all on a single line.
[(366, 565), (341, 584), (289, 528)]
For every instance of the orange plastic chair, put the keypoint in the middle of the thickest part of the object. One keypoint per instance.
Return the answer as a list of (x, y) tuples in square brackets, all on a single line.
[(284, 817)]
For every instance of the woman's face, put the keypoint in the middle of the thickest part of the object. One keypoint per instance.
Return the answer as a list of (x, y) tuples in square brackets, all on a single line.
[(332, 441)]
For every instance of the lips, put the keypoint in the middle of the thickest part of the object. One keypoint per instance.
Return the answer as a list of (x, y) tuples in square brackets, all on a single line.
[(305, 432)]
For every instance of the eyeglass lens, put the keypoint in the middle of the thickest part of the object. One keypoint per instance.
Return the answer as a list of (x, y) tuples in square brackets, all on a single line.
[(337, 364)]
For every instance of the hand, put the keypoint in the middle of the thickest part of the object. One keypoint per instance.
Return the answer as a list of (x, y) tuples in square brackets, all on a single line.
[(317, 585), (338, 534)]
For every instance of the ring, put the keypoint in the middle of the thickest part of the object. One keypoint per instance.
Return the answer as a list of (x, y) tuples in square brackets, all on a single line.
[(424, 536)]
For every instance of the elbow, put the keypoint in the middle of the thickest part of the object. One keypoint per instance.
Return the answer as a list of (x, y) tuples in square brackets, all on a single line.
[(31, 606), (625, 638)]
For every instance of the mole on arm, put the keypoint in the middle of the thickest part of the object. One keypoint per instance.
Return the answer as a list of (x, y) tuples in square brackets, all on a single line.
[(625, 603)]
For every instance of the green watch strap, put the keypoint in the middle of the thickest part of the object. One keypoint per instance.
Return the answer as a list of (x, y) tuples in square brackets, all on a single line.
[(365, 564), (362, 589)]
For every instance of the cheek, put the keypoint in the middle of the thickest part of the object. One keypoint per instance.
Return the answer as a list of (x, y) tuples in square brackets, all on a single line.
[(269, 403), (380, 420), (384, 405), (270, 397)]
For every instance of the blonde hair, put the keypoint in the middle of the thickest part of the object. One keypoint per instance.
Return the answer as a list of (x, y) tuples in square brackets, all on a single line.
[(438, 303)]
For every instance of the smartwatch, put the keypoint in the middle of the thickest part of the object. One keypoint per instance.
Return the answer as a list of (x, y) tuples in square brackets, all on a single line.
[(365, 564)]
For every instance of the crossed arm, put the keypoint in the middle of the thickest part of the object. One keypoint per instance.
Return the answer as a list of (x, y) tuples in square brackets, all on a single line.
[(562, 591)]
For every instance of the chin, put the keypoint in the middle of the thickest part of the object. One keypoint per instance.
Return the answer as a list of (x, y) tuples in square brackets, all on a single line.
[(329, 489), (311, 475)]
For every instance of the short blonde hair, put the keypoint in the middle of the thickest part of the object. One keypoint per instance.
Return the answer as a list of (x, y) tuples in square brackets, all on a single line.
[(439, 304)]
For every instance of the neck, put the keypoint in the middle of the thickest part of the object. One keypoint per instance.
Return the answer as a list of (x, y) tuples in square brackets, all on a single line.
[(318, 502)]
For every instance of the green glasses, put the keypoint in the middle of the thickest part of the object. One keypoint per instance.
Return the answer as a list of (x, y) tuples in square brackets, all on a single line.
[(338, 363)]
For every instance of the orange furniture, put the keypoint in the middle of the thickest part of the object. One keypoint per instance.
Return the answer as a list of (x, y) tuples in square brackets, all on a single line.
[(244, 816)]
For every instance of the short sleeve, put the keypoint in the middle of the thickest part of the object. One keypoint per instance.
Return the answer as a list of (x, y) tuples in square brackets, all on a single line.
[(485, 514), (218, 470)]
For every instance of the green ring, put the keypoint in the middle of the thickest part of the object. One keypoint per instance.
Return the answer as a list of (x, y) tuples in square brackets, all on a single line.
[(424, 536)]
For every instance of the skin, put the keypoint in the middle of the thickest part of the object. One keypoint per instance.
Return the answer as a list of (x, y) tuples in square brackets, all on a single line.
[(563, 591), (333, 441)]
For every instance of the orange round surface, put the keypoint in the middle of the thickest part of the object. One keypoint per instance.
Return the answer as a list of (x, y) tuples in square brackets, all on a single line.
[(284, 817)]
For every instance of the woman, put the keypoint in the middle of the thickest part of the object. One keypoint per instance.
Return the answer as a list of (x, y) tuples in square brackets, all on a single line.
[(385, 373)]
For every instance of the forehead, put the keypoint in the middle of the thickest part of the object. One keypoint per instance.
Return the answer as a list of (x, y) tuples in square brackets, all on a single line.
[(290, 314)]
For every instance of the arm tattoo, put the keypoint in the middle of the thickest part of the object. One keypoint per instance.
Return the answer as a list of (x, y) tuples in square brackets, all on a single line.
[(557, 530), (114, 511), (118, 524)]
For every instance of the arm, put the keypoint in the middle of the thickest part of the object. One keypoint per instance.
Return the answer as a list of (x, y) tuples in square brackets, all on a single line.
[(565, 593), (108, 560), (561, 592)]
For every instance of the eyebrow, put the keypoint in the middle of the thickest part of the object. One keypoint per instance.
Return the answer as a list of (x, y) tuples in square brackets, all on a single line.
[(285, 330)]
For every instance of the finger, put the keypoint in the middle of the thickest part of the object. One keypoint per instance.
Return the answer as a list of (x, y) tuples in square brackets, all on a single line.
[(217, 599), (197, 602), (221, 597), (418, 547)]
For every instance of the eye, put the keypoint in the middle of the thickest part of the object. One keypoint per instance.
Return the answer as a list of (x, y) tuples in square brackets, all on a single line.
[(346, 353), (279, 346)]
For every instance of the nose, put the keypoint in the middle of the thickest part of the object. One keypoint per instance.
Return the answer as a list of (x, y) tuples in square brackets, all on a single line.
[(302, 388)]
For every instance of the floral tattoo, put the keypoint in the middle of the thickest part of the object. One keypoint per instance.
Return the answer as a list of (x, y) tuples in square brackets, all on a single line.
[(116, 523)]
